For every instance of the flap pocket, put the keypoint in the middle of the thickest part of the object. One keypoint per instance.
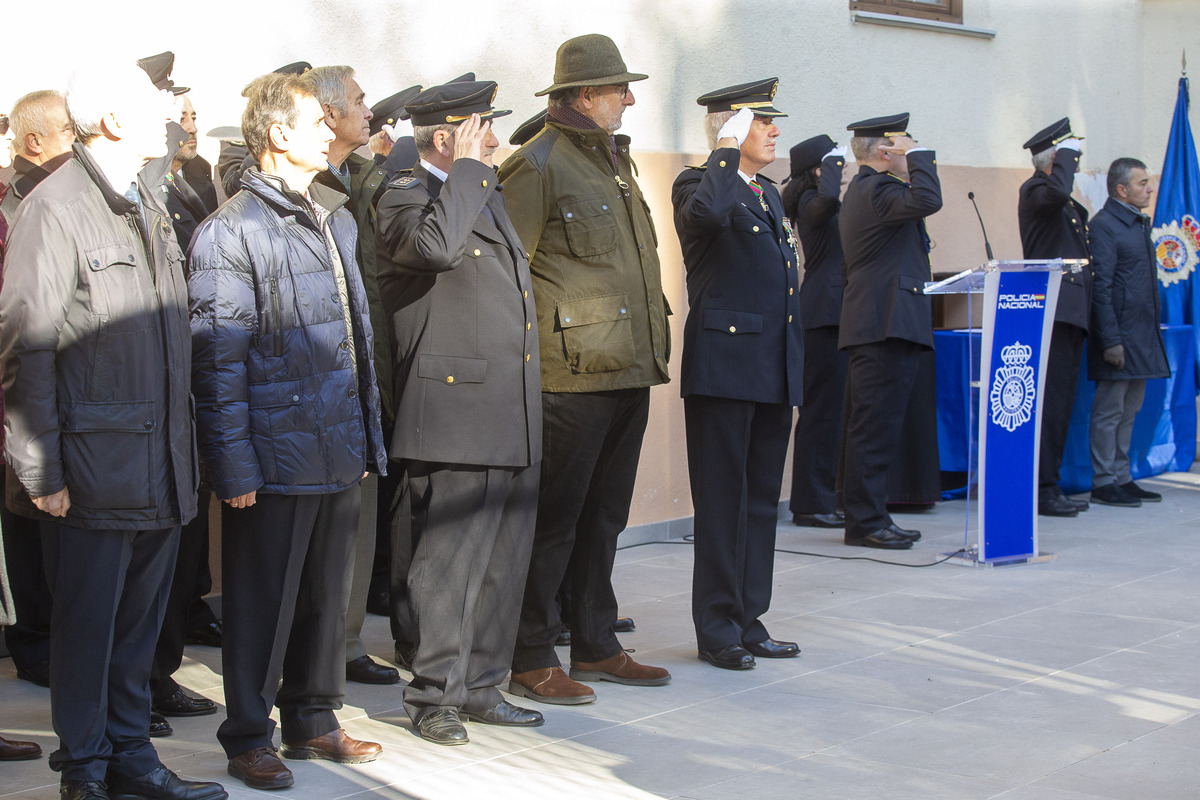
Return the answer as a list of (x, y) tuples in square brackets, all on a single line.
[(124, 417), (590, 310), (100, 258), (275, 395), (747, 223), (590, 225), (732, 322), (911, 285), (452, 369)]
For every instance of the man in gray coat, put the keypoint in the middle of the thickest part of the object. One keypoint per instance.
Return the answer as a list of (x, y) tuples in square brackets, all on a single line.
[(1125, 346), (469, 418), (96, 354)]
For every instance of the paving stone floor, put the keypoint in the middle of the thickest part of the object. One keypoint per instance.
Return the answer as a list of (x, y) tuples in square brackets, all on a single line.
[(1076, 679)]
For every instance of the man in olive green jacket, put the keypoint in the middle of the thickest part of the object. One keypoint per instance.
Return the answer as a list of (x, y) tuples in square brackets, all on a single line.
[(602, 321)]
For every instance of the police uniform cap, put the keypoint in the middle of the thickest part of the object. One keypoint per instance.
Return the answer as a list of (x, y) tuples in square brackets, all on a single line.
[(880, 127), (454, 102), (808, 154), (295, 68), (159, 68), (758, 96), (528, 129), (391, 109), (1049, 136), (466, 77)]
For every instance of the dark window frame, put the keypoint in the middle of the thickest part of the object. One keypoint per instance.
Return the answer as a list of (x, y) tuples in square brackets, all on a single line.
[(952, 10)]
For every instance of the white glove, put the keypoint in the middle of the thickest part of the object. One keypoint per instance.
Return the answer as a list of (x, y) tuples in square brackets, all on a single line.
[(402, 128), (839, 151), (1067, 144), (737, 126)]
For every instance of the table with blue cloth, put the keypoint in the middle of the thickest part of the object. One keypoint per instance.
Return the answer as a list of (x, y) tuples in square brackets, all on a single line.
[(1164, 433)]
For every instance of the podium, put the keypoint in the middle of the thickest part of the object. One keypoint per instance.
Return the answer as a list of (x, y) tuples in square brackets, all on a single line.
[(1019, 299)]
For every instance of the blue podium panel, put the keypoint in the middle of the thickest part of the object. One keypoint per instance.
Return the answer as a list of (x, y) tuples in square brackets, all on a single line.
[(1164, 433)]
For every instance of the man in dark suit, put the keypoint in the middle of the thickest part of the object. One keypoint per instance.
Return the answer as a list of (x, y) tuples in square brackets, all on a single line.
[(469, 412), (1054, 225), (886, 318), (742, 373), (811, 201)]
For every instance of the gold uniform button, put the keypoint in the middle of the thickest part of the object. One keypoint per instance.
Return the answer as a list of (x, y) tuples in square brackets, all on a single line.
[(527, 356), (449, 379), (732, 329), (476, 251), (789, 317), (528, 325), (526, 295), (177, 217), (485, 184), (790, 290), (721, 164), (755, 229)]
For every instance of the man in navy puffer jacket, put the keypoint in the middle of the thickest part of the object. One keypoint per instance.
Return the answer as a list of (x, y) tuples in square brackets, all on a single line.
[(287, 414)]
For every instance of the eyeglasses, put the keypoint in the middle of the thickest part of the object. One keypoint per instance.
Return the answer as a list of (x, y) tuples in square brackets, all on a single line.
[(3, 124), (623, 90)]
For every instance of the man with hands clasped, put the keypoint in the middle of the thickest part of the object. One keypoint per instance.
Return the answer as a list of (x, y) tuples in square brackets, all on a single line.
[(742, 370)]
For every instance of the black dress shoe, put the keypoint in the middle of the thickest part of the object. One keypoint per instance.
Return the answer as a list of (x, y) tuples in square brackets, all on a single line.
[(405, 653), (731, 656), (208, 635), (181, 704), (835, 520), (773, 648), (159, 725), (1138, 493), (912, 536), (162, 784), (1058, 506), (885, 539), (624, 625), (505, 713), (564, 638), (379, 604), (38, 673), (364, 670), (82, 790), (442, 727), (1113, 495), (1079, 503)]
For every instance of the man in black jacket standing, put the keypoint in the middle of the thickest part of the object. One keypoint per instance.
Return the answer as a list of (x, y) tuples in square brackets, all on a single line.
[(886, 318), (96, 353), (811, 201), (1125, 347), (1054, 225), (742, 373)]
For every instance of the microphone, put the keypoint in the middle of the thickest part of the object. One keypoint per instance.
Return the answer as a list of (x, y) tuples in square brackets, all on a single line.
[(987, 245)]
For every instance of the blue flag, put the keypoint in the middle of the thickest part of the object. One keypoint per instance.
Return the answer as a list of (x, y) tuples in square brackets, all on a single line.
[(1177, 225)]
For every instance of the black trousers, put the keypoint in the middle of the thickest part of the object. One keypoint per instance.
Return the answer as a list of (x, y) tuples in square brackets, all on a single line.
[(475, 531), (736, 451), (1062, 377), (110, 589), (403, 544), (286, 564), (190, 564), (591, 443), (879, 382), (818, 438), (28, 639)]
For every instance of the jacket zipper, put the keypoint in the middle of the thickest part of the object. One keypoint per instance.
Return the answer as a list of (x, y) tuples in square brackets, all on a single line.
[(278, 334)]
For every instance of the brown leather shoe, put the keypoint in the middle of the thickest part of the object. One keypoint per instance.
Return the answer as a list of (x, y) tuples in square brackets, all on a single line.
[(261, 768), (620, 668), (550, 686), (12, 750), (334, 746)]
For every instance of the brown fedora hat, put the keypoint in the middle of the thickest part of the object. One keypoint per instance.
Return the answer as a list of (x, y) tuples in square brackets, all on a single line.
[(591, 60)]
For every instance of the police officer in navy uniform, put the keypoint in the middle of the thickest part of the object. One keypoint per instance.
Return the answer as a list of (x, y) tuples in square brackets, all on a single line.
[(743, 362), (887, 320), (468, 431), (811, 200), (1054, 225)]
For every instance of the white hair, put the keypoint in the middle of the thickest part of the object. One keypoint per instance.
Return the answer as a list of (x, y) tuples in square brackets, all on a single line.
[(1042, 160), (101, 88)]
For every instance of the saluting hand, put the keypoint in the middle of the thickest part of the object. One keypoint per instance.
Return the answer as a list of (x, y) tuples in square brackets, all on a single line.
[(900, 145), (469, 140)]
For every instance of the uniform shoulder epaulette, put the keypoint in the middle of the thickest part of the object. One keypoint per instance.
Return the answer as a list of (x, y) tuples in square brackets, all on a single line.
[(402, 179), (695, 166)]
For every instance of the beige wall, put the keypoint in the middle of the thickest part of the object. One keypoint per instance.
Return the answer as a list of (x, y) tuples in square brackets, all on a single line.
[(1111, 65)]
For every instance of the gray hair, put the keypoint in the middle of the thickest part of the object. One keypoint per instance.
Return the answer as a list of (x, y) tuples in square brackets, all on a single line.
[(1120, 172), (101, 88), (28, 115), (329, 85), (423, 136), (866, 148), (1043, 160), (564, 98), (712, 126), (271, 100)]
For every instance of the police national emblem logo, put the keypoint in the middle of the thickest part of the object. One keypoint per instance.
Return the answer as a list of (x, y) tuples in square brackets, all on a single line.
[(1177, 249), (1013, 388)]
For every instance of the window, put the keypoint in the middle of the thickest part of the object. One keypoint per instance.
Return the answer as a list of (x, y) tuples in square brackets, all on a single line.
[(940, 10)]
